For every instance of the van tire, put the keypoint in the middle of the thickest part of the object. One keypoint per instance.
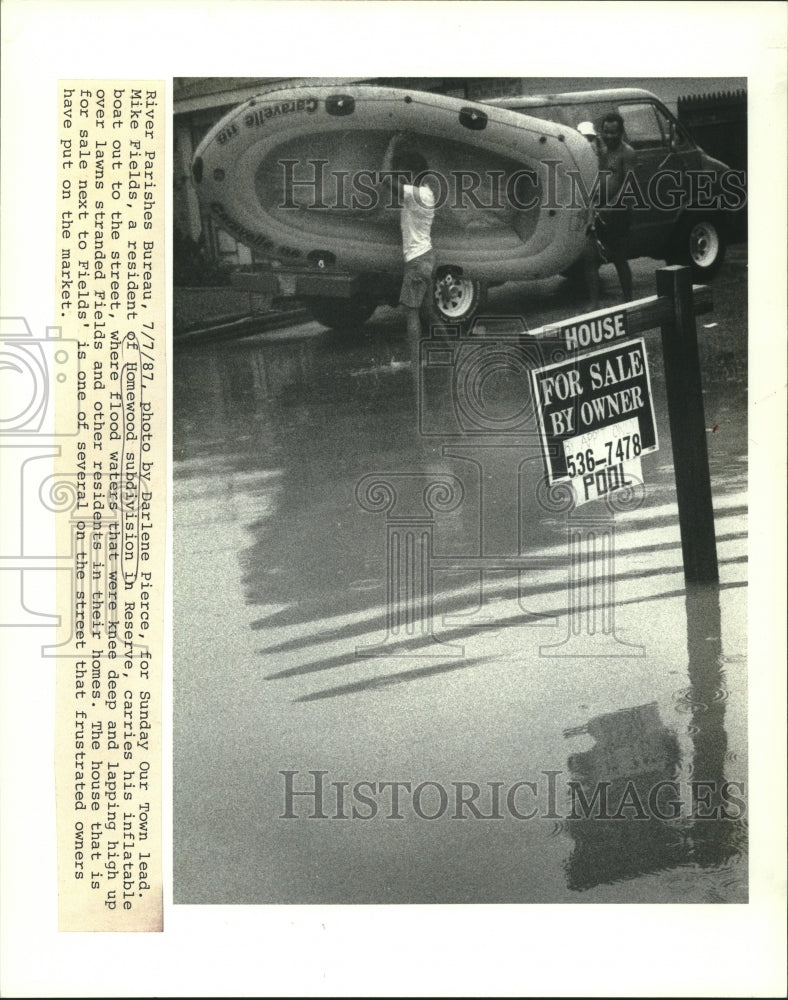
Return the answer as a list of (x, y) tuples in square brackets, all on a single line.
[(699, 243)]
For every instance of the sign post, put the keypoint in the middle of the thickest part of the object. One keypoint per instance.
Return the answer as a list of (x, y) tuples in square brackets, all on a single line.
[(688, 427)]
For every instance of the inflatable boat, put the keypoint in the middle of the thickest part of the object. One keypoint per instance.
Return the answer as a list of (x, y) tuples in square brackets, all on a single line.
[(295, 175)]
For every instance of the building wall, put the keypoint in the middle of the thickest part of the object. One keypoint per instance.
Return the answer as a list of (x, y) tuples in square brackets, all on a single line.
[(719, 123)]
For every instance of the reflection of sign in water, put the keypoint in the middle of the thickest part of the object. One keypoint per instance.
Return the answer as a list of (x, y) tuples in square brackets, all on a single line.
[(596, 418), (619, 804)]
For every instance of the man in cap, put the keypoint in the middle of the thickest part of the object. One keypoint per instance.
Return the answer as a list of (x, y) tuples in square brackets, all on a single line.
[(587, 129)]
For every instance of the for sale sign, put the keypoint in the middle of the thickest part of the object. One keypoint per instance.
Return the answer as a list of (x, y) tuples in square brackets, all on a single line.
[(596, 418)]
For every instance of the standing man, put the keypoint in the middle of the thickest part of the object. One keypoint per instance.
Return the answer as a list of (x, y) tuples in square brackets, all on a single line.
[(591, 258), (417, 200), (617, 159)]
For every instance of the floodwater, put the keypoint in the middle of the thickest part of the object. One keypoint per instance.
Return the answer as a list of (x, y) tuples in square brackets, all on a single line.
[(405, 672)]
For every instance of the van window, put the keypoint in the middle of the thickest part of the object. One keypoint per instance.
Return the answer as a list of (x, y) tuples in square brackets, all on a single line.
[(680, 138), (641, 126), (548, 113), (570, 114)]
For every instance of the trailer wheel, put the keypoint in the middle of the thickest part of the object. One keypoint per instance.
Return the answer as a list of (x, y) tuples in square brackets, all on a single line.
[(455, 300)]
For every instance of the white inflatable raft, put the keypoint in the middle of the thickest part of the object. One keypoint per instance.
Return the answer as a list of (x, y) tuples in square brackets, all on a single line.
[(294, 174)]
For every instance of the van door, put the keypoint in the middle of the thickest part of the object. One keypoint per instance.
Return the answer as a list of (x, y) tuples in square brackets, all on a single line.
[(660, 145), (650, 225)]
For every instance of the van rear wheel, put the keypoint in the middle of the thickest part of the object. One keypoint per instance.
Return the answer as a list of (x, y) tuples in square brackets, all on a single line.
[(700, 244)]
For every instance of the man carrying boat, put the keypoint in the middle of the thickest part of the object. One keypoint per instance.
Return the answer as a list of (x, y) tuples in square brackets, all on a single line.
[(403, 163)]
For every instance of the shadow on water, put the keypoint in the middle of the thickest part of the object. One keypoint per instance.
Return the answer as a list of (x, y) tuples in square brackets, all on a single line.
[(636, 808), (284, 429), (272, 437)]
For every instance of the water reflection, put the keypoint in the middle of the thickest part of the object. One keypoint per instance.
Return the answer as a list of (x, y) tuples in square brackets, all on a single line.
[(322, 413), (635, 809), (280, 431), (613, 803), (273, 437), (709, 843)]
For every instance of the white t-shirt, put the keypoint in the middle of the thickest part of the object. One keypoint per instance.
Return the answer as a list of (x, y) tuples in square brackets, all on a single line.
[(416, 220)]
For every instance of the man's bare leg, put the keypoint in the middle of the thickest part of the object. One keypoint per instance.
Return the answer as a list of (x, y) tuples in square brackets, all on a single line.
[(624, 276), (591, 275)]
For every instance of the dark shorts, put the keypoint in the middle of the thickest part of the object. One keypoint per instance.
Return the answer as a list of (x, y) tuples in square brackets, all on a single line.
[(613, 229), (417, 279)]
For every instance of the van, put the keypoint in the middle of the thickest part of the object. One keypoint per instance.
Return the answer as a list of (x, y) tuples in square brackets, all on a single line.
[(687, 206)]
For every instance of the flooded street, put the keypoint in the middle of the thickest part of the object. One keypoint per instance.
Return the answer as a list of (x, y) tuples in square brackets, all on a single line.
[(406, 671)]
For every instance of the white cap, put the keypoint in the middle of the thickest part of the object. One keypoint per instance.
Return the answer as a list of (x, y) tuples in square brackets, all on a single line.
[(586, 128)]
